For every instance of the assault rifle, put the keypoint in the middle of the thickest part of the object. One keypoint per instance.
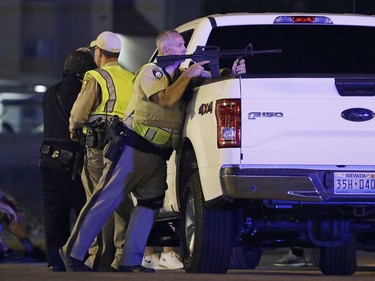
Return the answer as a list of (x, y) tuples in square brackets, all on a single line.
[(213, 54)]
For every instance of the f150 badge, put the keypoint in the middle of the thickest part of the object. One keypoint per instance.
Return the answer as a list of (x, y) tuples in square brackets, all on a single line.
[(255, 115), (357, 114)]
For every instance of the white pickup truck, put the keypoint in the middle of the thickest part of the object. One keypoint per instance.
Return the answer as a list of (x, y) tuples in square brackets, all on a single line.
[(284, 155)]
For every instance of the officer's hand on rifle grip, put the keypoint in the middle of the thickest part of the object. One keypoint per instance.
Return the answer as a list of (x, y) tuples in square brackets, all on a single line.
[(239, 67)]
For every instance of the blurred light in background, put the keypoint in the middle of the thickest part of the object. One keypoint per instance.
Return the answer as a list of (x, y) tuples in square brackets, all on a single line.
[(135, 51)]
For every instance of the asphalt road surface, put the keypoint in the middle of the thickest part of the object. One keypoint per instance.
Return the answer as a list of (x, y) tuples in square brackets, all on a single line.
[(264, 272)]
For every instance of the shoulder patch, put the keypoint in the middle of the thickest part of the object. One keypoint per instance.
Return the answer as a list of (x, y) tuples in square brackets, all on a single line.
[(85, 82), (157, 73)]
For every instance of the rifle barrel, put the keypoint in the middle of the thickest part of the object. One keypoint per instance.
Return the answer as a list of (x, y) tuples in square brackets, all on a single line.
[(266, 51), (246, 53)]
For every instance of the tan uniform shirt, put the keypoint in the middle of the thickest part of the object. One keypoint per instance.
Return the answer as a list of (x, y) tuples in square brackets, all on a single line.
[(148, 82), (87, 101)]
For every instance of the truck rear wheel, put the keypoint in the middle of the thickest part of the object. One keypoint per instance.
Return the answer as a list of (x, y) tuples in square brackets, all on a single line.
[(339, 260), (206, 234), (245, 258)]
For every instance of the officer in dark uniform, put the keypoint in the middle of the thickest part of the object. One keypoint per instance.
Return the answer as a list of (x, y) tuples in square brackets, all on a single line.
[(60, 157)]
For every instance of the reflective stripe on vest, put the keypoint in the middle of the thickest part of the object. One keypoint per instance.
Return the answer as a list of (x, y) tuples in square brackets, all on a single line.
[(110, 79), (157, 135)]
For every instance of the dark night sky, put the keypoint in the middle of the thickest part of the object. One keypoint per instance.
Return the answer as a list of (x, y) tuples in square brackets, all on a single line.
[(333, 6)]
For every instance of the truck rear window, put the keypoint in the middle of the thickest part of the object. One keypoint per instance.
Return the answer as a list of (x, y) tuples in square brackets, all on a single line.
[(313, 50)]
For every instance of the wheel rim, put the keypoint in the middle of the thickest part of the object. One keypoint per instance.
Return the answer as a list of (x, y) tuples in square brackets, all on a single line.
[(190, 224)]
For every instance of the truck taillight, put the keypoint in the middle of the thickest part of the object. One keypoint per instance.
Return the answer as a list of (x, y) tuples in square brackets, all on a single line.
[(228, 117)]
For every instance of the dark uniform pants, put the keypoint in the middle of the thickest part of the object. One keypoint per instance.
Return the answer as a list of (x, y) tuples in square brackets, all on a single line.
[(61, 194)]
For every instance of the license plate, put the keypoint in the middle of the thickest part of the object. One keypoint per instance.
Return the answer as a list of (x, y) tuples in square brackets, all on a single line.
[(354, 183)]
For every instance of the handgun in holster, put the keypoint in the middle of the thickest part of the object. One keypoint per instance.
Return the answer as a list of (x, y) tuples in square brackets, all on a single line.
[(101, 132), (81, 136), (115, 139), (115, 148), (96, 133), (115, 129)]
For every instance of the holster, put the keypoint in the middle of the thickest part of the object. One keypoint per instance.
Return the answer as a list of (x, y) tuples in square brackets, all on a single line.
[(115, 148), (121, 136), (96, 134), (81, 136)]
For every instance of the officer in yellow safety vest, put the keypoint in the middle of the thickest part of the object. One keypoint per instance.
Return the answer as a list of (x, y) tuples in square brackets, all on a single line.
[(155, 118), (105, 93)]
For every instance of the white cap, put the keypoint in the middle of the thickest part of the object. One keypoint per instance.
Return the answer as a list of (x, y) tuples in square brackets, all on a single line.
[(107, 41)]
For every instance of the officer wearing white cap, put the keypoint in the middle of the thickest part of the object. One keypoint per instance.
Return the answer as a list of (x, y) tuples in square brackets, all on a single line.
[(105, 94), (107, 41)]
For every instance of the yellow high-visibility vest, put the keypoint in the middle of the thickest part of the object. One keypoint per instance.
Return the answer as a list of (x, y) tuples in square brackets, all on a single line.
[(116, 85)]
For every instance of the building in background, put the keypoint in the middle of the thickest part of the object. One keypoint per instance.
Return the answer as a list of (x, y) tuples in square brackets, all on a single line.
[(36, 35)]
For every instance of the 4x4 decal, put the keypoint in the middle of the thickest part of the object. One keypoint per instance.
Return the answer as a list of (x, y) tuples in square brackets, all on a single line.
[(205, 108)]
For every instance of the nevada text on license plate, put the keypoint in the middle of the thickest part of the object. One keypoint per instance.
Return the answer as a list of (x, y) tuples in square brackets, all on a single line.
[(354, 183)]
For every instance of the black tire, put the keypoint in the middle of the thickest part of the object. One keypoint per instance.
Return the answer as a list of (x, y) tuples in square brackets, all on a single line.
[(339, 260), (315, 256), (243, 258), (206, 234)]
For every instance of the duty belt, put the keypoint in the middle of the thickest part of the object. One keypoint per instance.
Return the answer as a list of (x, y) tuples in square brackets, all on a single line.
[(138, 142), (57, 153), (122, 135), (157, 135)]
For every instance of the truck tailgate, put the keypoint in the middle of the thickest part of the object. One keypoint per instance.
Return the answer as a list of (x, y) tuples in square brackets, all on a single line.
[(299, 121)]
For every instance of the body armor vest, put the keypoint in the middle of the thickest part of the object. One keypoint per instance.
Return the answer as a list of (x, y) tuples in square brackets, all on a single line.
[(156, 123)]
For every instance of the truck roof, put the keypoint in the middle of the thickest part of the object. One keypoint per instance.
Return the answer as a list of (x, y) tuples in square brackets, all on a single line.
[(270, 18)]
